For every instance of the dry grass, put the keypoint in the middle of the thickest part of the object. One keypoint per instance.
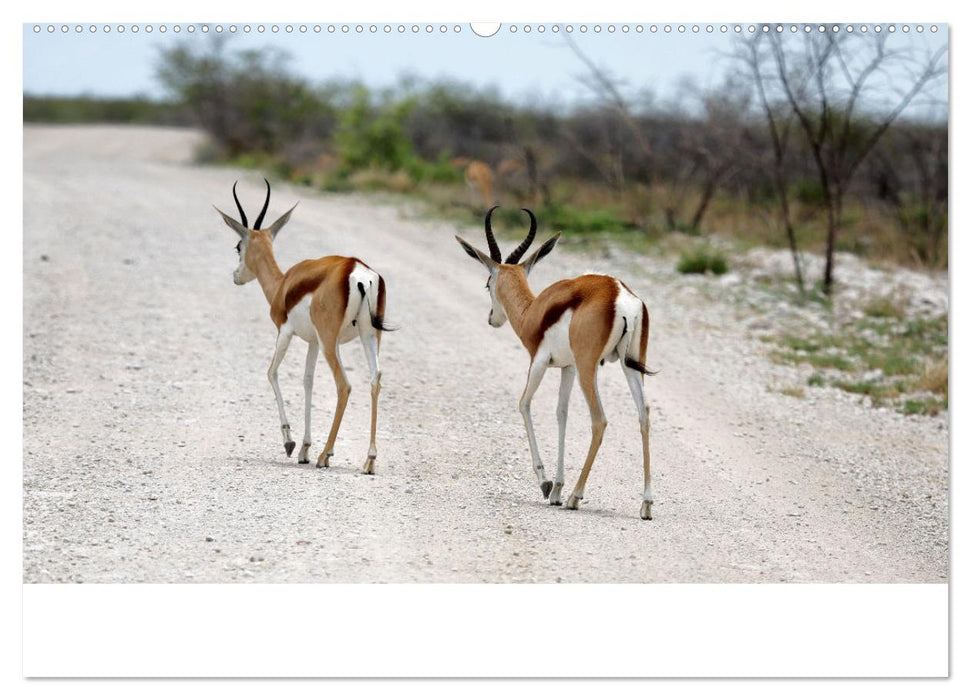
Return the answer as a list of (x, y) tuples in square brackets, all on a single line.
[(634, 215), (794, 391), (934, 378), (890, 306)]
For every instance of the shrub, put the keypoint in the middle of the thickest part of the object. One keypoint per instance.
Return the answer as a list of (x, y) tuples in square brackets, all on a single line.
[(884, 307), (373, 135), (702, 260)]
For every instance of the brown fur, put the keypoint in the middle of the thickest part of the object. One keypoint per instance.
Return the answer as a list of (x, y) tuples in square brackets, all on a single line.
[(326, 278), (478, 176), (591, 298)]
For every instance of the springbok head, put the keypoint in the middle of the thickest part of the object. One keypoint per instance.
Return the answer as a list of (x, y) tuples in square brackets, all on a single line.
[(253, 242), (502, 273)]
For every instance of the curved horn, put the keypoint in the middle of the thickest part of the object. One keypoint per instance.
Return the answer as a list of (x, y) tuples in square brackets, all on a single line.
[(259, 219), (494, 252), (528, 241), (242, 214)]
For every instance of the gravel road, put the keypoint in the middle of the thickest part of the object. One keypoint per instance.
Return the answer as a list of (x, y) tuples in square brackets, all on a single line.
[(152, 451)]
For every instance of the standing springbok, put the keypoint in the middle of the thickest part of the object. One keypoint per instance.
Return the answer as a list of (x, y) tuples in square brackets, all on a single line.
[(326, 302), (575, 325)]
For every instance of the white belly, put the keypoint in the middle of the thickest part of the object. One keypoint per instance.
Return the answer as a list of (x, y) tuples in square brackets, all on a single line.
[(299, 320), (556, 343)]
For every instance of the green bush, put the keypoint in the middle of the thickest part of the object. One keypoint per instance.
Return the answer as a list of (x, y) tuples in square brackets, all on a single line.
[(441, 171), (373, 135), (246, 101), (702, 260), (808, 192), (571, 219)]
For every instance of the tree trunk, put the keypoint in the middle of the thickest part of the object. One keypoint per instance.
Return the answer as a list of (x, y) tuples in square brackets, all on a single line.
[(834, 214), (706, 196), (790, 231)]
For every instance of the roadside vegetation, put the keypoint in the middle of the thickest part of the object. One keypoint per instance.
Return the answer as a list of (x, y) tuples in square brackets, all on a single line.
[(766, 159), (734, 160), (884, 357)]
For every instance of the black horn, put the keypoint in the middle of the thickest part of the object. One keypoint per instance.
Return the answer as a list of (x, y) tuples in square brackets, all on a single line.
[(242, 214), (259, 219), (528, 241), (493, 246)]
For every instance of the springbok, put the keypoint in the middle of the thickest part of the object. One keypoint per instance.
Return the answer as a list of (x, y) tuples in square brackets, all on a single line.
[(576, 325), (327, 302), (478, 177)]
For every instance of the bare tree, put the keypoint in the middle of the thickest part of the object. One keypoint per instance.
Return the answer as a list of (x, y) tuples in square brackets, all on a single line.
[(697, 153), (779, 118), (826, 82), (609, 93)]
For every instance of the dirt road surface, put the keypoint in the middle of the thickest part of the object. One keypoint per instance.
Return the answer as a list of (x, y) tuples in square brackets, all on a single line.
[(152, 450)]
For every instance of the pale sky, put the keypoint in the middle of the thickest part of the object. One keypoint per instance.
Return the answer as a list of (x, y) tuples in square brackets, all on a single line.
[(521, 66)]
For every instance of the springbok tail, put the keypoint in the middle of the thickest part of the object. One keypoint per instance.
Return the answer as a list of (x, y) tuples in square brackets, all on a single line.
[(637, 330), (377, 319)]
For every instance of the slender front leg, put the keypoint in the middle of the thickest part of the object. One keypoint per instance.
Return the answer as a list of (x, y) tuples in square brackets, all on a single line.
[(598, 423), (282, 343), (370, 342), (567, 375), (636, 382), (308, 391), (536, 371), (332, 355)]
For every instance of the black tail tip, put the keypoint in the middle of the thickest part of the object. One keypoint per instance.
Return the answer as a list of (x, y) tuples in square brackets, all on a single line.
[(360, 288), (377, 322), (634, 364)]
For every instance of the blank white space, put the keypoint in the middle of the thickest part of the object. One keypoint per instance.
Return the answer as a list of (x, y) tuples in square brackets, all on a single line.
[(485, 630)]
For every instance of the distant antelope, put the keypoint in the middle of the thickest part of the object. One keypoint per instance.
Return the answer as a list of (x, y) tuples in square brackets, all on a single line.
[(478, 177), (326, 302), (575, 325)]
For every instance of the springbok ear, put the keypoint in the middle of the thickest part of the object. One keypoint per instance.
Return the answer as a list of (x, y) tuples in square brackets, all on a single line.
[(477, 254), (281, 222), (543, 251), (241, 230)]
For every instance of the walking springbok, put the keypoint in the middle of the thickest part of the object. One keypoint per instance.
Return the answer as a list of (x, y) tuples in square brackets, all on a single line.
[(576, 325), (326, 302)]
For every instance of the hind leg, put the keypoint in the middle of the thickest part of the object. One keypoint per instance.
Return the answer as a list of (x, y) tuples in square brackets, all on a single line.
[(598, 424), (567, 376), (332, 355), (635, 380), (370, 342)]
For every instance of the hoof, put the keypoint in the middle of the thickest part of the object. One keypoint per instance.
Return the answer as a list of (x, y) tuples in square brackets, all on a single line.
[(325, 464), (288, 446), (368, 466), (303, 457), (646, 510), (546, 486), (573, 502), (556, 498)]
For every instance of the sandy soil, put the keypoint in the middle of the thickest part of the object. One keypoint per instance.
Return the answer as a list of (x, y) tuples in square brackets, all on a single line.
[(152, 451)]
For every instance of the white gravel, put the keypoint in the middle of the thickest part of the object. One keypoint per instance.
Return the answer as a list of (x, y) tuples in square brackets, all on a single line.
[(152, 451)]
